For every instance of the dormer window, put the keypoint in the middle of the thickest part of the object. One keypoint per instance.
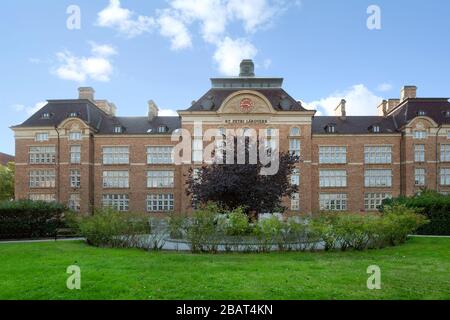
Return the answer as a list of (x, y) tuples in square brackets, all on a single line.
[(421, 113), (73, 115), (163, 129), (46, 116), (331, 128), (376, 129), (118, 129), (447, 114)]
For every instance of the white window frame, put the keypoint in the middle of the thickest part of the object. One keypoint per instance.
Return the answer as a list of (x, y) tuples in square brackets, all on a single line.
[(75, 154), (295, 132), (74, 202), (197, 150), (116, 179), (119, 202), (378, 178), (164, 202), (331, 178), (116, 155), (373, 201), (333, 201), (75, 178), (445, 152), (160, 155), (420, 134), (295, 177), (161, 179), (42, 179), (295, 202), (42, 197), (42, 155), (295, 147), (378, 154), (444, 175), (420, 177), (419, 153), (332, 154), (75, 136), (42, 137)]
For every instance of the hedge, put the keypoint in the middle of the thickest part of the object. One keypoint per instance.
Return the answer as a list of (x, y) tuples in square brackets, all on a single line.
[(30, 220), (435, 206)]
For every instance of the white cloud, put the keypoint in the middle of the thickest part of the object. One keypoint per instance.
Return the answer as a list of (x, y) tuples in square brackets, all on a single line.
[(385, 87), (172, 27), (123, 20), (360, 101), (267, 63), (97, 67), (167, 113), (230, 53), (29, 110)]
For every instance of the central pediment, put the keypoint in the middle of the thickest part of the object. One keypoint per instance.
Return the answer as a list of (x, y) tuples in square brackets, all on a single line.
[(246, 102)]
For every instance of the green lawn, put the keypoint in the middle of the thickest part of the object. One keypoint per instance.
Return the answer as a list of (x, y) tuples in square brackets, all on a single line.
[(418, 270)]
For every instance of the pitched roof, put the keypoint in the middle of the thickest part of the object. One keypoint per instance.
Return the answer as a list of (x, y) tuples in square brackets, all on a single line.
[(434, 108), (5, 159), (353, 125), (279, 99)]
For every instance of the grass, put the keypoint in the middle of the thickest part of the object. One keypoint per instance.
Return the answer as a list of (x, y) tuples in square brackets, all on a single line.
[(418, 270)]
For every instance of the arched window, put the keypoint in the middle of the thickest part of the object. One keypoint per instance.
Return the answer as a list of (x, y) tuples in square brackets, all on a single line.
[(295, 132)]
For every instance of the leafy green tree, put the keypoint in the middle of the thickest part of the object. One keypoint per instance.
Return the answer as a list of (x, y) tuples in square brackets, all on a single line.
[(7, 181)]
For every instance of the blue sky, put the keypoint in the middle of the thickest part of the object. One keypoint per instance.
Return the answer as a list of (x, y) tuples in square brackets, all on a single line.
[(133, 51)]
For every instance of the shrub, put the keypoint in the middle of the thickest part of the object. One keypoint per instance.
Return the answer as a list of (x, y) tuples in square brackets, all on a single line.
[(28, 219), (434, 206), (238, 223), (109, 228), (269, 232), (177, 226)]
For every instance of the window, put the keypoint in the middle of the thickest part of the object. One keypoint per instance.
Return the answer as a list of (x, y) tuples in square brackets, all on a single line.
[(420, 177), (160, 155), (333, 202), (73, 115), (42, 137), (448, 134), (42, 155), (376, 129), (75, 154), (197, 150), (295, 177), (196, 174), (295, 132), (447, 114), (160, 179), (421, 113), (378, 178), (116, 155), (420, 135), (373, 201), (42, 179), (160, 202), (46, 116), (75, 136), (445, 152), (118, 129), (163, 129), (295, 202), (445, 177), (116, 179), (221, 145), (419, 153), (333, 178), (42, 197), (333, 155), (331, 128), (74, 202), (378, 154), (75, 179), (294, 147), (119, 202)]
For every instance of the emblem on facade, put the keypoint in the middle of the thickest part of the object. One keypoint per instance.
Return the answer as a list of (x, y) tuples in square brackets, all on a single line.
[(247, 105)]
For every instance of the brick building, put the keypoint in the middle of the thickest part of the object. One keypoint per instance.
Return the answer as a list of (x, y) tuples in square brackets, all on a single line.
[(80, 153)]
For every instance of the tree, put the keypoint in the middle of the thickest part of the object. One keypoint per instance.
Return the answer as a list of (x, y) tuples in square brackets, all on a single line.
[(241, 185), (7, 182)]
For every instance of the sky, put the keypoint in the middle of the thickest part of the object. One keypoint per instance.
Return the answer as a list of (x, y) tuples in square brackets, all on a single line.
[(133, 51)]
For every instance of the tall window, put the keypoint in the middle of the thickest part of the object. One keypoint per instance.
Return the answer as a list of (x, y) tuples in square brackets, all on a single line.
[(333, 202), (160, 155), (333, 178), (75, 179), (42, 179), (294, 147), (75, 154), (378, 178), (295, 177), (197, 149), (333, 155), (420, 176), (419, 153), (221, 145), (445, 176), (116, 155), (295, 132), (160, 179), (42, 137), (119, 202), (295, 202), (420, 134), (445, 152), (378, 154), (75, 136), (74, 202), (160, 202), (42, 155), (116, 179), (373, 201), (42, 197)]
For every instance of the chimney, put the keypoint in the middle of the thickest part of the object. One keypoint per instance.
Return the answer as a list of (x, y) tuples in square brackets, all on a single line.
[(247, 69), (153, 110), (392, 104), (340, 110), (383, 108), (408, 92), (86, 93)]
